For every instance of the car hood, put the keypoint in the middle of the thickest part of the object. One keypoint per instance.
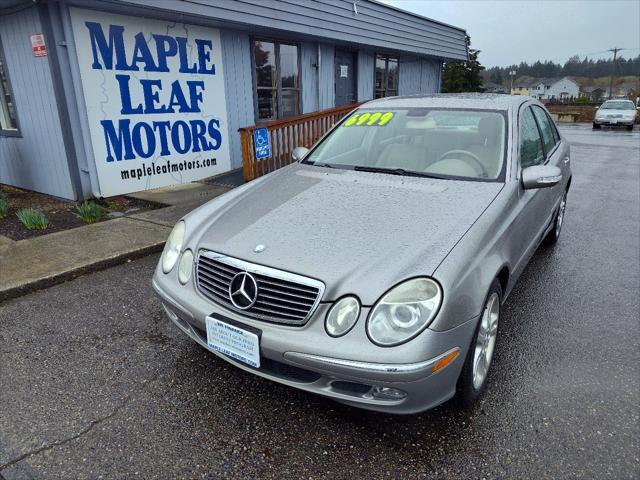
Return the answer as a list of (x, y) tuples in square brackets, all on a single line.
[(357, 232)]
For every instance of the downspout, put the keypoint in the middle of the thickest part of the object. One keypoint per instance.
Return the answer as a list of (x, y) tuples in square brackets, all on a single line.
[(90, 163), (319, 66)]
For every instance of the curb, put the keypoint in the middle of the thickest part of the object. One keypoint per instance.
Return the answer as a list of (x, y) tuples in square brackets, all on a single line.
[(47, 282)]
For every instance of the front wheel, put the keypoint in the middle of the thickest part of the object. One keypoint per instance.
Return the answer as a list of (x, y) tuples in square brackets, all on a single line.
[(552, 237), (630, 127), (596, 126), (473, 378)]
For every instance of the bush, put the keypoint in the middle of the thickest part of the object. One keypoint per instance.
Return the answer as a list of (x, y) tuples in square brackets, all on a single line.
[(90, 212), (4, 206), (33, 219)]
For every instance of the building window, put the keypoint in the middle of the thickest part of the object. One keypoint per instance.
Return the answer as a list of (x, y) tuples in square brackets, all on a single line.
[(277, 79), (386, 76), (8, 120)]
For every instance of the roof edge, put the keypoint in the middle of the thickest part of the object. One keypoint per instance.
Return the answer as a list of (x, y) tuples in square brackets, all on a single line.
[(413, 14)]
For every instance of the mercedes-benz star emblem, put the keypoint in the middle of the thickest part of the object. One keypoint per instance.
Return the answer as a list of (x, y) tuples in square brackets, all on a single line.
[(259, 248), (243, 290)]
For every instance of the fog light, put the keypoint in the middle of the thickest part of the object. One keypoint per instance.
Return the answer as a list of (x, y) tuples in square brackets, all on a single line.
[(387, 393), (185, 267)]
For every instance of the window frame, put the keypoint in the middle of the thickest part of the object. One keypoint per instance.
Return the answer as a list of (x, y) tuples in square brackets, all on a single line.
[(278, 107), (17, 131), (386, 57), (547, 154)]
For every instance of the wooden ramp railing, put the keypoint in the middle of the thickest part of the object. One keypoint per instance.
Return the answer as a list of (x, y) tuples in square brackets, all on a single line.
[(285, 135)]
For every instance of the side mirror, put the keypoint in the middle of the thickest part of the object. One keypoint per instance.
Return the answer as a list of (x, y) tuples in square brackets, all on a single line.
[(540, 176), (299, 153)]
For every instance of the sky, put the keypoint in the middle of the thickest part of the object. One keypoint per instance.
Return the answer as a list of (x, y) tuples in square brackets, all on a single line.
[(511, 31)]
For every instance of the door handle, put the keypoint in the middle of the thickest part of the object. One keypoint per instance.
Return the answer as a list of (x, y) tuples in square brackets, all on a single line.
[(566, 160)]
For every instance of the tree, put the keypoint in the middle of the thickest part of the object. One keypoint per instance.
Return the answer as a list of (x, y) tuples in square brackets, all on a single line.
[(463, 76)]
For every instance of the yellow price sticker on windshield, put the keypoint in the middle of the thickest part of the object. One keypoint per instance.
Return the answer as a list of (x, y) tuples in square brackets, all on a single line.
[(370, 119)]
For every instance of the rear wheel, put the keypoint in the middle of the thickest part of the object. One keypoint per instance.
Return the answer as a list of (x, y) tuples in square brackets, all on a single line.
[(630, 127), (473, 378), (553, 236)]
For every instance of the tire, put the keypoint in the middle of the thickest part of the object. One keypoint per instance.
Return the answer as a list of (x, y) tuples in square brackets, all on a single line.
[(472, 382), (630, 127), (554, 235), (596, 126)]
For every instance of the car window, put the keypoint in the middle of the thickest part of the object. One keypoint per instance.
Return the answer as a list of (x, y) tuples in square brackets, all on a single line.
[(618, 105), (444, 143), (554, 128), (531, 152), (545, 127)]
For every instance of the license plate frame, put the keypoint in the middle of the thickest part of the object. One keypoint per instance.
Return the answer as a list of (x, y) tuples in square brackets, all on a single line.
[(234, 339)]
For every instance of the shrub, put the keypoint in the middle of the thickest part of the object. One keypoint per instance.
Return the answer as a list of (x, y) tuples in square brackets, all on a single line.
[(90, 212), (115, 205), (33, 219), (4, 206)]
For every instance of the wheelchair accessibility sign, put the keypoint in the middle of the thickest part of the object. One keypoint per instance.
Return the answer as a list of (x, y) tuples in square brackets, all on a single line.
[(261, 143)]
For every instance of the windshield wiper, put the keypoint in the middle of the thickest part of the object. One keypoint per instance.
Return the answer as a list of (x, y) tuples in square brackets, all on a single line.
[(326, 165), (395, 171)]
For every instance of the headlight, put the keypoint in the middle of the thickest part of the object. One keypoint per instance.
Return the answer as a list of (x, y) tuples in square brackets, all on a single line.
[(404, 312), (342, 316), (185, 267), (173, 246)]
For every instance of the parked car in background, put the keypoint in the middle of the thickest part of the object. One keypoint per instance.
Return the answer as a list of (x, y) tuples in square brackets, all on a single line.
[(374, 268), (616, 113)]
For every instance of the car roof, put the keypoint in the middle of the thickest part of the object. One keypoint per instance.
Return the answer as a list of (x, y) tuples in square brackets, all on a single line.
[(482, 101)]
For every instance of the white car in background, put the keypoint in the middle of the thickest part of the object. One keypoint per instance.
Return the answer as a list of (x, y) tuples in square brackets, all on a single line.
[(616, 113)]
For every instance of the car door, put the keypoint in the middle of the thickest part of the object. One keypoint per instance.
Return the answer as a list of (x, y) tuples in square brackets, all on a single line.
[(531, 205), (556, 154)]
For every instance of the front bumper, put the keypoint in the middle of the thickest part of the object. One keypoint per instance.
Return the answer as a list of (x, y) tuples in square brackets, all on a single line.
[(614, 122), (297, 360)]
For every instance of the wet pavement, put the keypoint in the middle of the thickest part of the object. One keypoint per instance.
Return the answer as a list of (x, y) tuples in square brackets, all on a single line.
[(95, 383)]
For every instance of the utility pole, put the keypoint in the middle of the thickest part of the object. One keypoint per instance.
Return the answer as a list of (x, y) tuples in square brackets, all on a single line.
[(615, 51)]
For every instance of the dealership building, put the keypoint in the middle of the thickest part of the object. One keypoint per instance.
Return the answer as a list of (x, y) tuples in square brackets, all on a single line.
[(107, 97)]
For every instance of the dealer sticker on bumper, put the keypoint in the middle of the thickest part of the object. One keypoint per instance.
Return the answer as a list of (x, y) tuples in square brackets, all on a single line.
[(233, 341)]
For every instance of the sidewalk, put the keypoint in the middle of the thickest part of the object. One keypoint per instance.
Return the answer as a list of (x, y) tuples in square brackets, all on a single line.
[(40, 262)]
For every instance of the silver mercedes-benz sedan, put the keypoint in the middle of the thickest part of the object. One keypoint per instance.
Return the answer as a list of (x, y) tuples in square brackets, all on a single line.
[(373, 269)]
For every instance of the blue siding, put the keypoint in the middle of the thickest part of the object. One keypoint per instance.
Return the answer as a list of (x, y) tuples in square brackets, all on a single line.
[(418, 76), (327, 93), (36, 160), (309, 74), (431, 74), (375, 25), (365, 75), (238, 84)]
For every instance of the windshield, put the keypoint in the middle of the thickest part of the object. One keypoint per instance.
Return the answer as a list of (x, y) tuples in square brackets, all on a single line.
[(618, 105), (466, 144)]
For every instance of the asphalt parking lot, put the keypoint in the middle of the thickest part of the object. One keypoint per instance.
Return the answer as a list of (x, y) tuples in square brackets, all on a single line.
[(95, 383)]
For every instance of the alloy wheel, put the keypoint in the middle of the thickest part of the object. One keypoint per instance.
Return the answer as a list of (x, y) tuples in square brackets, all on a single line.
[(560, 217), (486, 340)]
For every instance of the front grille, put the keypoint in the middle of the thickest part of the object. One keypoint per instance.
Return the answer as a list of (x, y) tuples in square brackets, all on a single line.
[(282, 297)]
